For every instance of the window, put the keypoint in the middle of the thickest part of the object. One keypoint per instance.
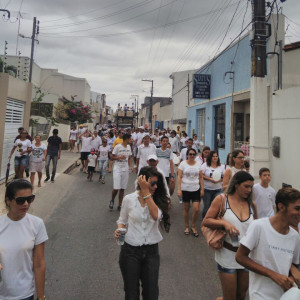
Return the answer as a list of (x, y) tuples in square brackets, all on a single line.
[(220, 126), (201, 125)]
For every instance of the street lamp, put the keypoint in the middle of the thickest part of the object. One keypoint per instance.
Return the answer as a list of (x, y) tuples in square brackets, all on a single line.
[(151, 101)]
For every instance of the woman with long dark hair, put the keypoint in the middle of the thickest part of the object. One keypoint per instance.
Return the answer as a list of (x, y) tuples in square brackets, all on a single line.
[(141, 214), (239, 211), (212, 187), (236, 165), (202, 157)]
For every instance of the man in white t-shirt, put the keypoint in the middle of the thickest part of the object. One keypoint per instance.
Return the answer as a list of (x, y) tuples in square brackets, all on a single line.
[(96, 142), (264, 195), (144, 150), (270, 248), (122, 165), (81, 130), (86, 138), (189, 145)]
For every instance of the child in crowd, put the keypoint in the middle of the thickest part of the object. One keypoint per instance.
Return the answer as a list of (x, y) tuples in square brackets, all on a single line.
[(264, 195), (103, 160), (92, 161)]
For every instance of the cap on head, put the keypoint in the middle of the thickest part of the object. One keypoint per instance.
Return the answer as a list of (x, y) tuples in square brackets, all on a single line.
[(152, 156), (80, 125)]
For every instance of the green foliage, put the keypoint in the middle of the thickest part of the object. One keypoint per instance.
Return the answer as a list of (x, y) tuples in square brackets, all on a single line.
[(11, 70), (74, 112)]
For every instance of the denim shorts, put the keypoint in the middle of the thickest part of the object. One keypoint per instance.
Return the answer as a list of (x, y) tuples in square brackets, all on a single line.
[(229, 271), (21, 161)]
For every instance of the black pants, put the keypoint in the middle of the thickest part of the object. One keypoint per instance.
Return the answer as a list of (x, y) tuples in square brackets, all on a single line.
[(137, 264)]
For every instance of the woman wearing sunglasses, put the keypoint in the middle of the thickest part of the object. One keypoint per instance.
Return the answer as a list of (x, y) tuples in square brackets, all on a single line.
[(236, 165), (190, 179), (141, 214), (22, 240)]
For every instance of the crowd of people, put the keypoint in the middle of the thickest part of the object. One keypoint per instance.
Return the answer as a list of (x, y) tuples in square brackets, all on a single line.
[(260, 247)]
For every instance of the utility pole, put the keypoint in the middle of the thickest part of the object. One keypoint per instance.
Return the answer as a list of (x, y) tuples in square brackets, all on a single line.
[(188, 90), (35, 30), (259, 48), (151, 102), (4, 60), (136, 101), (259, 107)]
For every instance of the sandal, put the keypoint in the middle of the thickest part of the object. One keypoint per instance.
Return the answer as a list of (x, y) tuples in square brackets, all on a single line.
[(187, 231), (195, 233)]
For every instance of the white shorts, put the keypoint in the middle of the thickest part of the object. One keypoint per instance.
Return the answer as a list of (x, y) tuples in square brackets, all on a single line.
[(36, 166), (120, 179)]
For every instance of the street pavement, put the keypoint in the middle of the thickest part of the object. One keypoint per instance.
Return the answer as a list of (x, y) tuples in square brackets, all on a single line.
[(82, 255)]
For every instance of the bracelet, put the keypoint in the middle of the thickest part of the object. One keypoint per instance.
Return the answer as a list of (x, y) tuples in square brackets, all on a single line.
[(146, 197)]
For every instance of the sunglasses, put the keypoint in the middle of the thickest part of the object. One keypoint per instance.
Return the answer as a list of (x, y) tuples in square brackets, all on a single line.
[(192, 154), (22, 200), (153, 183)]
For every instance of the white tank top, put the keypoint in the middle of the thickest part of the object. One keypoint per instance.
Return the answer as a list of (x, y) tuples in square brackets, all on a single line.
[(225, 257), (234, 170)]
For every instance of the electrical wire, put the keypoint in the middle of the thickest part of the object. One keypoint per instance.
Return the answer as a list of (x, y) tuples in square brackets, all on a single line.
[(145, 2)]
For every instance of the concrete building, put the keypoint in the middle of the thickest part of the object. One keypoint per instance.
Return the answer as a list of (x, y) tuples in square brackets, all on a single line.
[(239, 105), (15, 101), (182, 95)]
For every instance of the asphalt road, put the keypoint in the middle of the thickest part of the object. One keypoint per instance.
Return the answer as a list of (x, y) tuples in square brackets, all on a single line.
[(82, 256)]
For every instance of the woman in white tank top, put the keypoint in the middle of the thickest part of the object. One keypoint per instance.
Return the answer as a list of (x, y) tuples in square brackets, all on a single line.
[(236, 165), (239, 212)]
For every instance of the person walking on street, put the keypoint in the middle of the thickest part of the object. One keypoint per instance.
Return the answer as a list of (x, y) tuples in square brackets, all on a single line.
[(202, 157), (271, 249), (236, 165), (28, 137), (212, 187), (80, 131), (122, 165), (86, 146), (175, 143), (92, 162), (183, 152), (73, 137), (144, 150), (141, 214), (22, 240), (96, 142), (103, 158), (23, 148), (190, 188), (238, 210), (37, 160), (53, 153)]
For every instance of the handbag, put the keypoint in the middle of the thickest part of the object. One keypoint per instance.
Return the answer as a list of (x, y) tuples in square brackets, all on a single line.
[(215, 237)]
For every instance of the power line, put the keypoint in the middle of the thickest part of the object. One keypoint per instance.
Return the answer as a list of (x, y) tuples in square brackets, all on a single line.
[(145, 2)]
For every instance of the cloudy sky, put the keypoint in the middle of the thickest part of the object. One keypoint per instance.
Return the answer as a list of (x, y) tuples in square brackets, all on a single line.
[(115, 44)]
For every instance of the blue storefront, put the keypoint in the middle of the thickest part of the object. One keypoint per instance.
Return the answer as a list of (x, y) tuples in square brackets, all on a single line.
[(225, 116)]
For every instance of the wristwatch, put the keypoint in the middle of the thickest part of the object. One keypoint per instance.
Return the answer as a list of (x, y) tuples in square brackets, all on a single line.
[(41, 298)]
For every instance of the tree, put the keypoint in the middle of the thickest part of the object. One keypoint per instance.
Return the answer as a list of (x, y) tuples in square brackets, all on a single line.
[(11, 70)]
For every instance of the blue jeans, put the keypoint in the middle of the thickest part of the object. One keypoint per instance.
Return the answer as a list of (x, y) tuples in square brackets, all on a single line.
[(102, 168), (29, 298), (54, 164), (137, 264), (209, 196)]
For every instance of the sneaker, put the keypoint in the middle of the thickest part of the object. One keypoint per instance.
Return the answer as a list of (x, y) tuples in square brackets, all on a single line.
[(47, 179), (52, 179), (119, 207), (111, 205)]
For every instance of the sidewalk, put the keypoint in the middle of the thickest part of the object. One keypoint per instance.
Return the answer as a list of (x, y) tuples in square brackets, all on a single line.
[(67, 159)]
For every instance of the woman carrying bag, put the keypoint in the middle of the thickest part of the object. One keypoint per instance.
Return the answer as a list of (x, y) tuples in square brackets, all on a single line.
[(239, 212)]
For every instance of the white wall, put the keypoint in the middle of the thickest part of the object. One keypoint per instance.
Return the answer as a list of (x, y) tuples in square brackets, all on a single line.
[(285, 123)]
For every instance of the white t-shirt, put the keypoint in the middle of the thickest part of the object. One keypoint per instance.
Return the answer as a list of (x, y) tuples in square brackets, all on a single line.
[(17, 240), (174, 144), (37, 153), (92, 160), (22, 146), (196, 145), (139, 138), (208, 172), (120, 150), (96, 142), (265, 200), (155, 139), (272, 250), (190, 180), (183, 140), (164, 157), (73, 134), (183, 154), (143, 153), (103, 153), (81, 130), (86, 144)]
